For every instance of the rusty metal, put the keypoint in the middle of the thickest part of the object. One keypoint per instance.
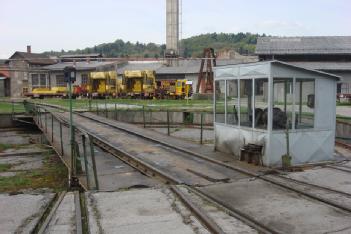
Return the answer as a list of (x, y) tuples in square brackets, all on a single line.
[(205, 78), (93, 162), (260, 227), (198, 212), (85, 160), (343, 144), (49, 213)]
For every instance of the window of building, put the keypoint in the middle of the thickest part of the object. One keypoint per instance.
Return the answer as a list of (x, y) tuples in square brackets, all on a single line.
[(39, 80), (246, 102), (261, 103), (220, 101), (232, 102), (42, 80), (283, 103), (345, 88), (84, 79), (60, 81), (304, 98), (35, 80)]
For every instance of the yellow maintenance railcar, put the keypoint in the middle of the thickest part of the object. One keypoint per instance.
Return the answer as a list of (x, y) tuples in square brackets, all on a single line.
[(183, 89), (103, 84), (139, 83)]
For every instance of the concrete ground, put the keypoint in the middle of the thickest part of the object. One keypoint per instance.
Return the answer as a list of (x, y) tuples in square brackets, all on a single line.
[(113, 174), (63, 220), (326, 177), (226, 222), (282, 210), (135, 211), (20, 213)]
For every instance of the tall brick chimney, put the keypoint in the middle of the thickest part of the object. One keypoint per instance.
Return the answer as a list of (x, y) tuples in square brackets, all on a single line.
[(29, 49)]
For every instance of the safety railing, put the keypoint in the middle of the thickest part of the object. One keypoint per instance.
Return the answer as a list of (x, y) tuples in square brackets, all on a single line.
[(81, 163), (192, 125)]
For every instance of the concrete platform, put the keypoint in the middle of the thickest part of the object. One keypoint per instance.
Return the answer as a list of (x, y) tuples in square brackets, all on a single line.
[(113, 174), (326, 177), (135, 211), (20, 213), (280, 209)]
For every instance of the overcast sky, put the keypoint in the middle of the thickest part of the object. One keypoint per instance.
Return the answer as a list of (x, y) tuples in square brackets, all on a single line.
[(71, 24)]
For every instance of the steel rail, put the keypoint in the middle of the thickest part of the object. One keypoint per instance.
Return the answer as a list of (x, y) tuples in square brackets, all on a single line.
[(50, 210), (236, 213), (314, 185), (197, 211), (343, 144), (343, 169)]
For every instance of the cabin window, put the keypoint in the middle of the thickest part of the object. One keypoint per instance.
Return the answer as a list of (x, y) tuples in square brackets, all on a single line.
[(304, 96), (220, 101), (246, 102), (261, 103), (283, 103), (232, 102)]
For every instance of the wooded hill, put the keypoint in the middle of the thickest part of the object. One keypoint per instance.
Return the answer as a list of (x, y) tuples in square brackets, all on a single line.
[(244, 43)]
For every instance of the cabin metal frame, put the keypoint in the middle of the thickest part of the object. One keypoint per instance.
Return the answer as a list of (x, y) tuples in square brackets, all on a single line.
[(309, 143)]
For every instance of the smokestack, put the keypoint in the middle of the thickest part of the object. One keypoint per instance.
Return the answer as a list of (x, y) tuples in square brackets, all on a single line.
[(172, 27), (29, 49)]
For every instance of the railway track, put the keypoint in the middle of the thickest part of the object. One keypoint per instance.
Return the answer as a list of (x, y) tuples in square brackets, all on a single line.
[(343, 144), (332, 197), (319, 193)]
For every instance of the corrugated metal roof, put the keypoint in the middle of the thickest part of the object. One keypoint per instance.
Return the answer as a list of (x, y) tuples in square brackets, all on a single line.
[(81, 55), (192, 66), (80, 66), (328, 66), (130, 66), (304, 45), (329, 75)]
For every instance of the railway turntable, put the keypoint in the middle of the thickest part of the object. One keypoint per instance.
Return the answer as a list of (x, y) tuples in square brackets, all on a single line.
[(275, 109)]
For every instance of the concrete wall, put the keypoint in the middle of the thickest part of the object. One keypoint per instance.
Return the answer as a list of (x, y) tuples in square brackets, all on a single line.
[(343, 129), (159, 117), (6, 121)]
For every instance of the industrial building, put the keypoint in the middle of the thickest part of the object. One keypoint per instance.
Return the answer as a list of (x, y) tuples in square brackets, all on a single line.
[(330, 54), (25, 67)]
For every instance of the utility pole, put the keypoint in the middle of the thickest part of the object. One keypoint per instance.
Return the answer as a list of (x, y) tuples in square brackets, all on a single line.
[(70, 77)]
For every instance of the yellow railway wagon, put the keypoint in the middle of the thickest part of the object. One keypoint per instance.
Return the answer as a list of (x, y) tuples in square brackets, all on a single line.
[(102, 84), (48, 92), (183, 89), (139, 83)]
